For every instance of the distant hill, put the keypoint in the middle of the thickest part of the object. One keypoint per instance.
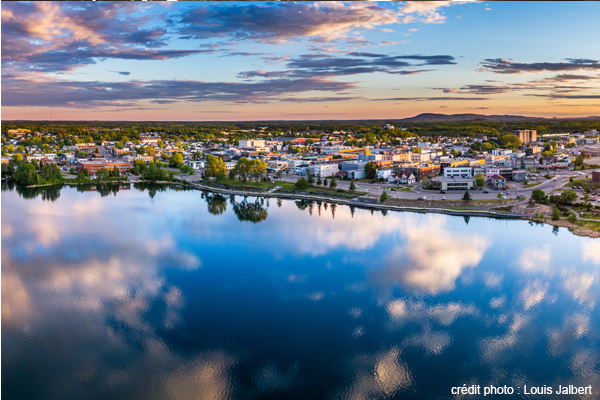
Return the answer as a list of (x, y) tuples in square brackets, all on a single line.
[(432, 117)]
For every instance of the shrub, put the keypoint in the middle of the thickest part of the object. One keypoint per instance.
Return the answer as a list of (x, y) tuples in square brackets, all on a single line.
[(384, 196), (555, 214), (302, 183), (572, 218)]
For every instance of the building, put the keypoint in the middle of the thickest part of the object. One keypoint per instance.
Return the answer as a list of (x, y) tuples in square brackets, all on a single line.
[(463, 172), (454, 183), (402, 178), (251, 143), (596, 176), (278, 165), (419, 171), (93, 166), (87, 147), (146, 139), (18, 132), (420, 157), (325, 170), (498, 181), (526, 136), (384, 173)]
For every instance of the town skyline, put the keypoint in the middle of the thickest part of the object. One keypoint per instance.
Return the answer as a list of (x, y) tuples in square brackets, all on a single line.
[(235, 61)]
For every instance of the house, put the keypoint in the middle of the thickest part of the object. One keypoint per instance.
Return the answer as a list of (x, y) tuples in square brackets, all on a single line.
[(407, 178), (498, 181)]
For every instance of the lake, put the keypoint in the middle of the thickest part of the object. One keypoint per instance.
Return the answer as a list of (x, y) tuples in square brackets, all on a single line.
[(156, 293)]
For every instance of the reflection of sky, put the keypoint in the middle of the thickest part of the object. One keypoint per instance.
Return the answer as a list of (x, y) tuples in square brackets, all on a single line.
[(128, 296)]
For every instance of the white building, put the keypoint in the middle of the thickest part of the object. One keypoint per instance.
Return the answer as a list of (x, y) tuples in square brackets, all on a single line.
[(325, 170), (384, 173), (463, 172), (251, 143)]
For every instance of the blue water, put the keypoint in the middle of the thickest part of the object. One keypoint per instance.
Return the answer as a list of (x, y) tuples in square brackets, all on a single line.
[(157, 293)]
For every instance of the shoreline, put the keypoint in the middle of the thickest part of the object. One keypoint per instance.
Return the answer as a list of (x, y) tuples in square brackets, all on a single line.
[(573, 228)]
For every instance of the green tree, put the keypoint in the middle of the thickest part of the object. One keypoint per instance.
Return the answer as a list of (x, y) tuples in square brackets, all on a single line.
[(301, 183), (176, 159), (371, 170), (579, 161), (215, 166), (319, 182), (479, 180), (499, 196), (572, 218), (383, 197), (8, 170), (51, 173), (186, 169), (26, 174), (538, 195), (467, 196), (555, 214), (17, 158), (425, 182), (510, 140), (325, 182), (311, 179), (568, 196), (352, 185), (257, 169), (332, 183)]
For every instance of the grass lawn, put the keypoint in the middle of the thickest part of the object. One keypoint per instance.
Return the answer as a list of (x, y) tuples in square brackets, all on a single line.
[(594, 225), (407, 189), (494, 200)]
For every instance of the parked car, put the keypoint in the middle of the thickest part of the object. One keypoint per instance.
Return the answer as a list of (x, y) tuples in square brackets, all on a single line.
[(443, 191), (485, 191), (443, 197)]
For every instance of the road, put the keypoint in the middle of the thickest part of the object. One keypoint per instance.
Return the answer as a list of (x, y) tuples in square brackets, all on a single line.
[(514, 189)]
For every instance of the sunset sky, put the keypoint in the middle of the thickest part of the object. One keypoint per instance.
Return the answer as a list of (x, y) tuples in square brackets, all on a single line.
[(207, 61)]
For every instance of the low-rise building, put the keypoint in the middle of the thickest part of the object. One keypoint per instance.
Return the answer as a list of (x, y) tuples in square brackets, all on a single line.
[(94, 166), (453, 183), (325, 170), (463, 172)]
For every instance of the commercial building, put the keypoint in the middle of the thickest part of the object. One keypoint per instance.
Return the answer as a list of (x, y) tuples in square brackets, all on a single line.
[(463, 172), (419, 171), (94, 166), (325, 170), (420, 157), (455, 183), (596, 176), (87, 147), (526, 136)]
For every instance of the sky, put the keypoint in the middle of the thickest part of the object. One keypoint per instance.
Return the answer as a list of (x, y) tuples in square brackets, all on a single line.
[(236, 61)]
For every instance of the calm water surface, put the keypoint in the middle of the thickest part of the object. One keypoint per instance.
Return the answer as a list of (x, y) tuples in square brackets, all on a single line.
[(155, 293)]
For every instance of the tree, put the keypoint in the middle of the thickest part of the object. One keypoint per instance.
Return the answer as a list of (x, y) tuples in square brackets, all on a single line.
[(479, 180), (311, 179), (568, 196), (186, 169), (319, 182), (257, 169), (7, 170), (579, 161), (51, 173), (586, 198), (425, 182), (301, 184), (383, 197), (325, 182), (215, 166), (467, 196), (243, 168), (17, 158), (352, 185), (538, 195), (332, 183), (525, 181), (371, 170), (499, 196), (26, 174), (510, 140), (175, 160), (572, 218), (555, 214)]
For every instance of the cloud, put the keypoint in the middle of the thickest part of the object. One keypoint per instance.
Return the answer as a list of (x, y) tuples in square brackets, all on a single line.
[(23, 92), (323, 20), (121, 72), (433, 99), (55, 37), (502, 66)]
